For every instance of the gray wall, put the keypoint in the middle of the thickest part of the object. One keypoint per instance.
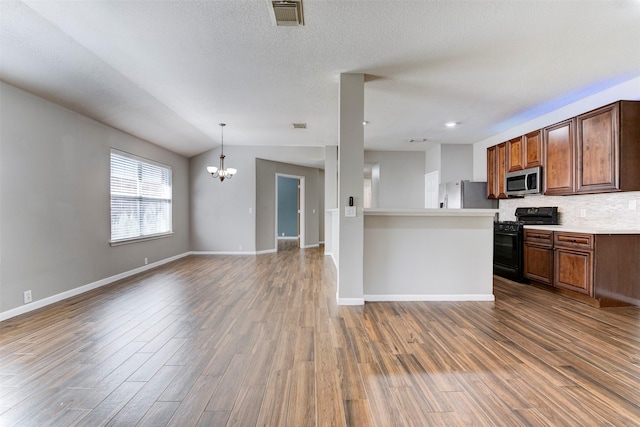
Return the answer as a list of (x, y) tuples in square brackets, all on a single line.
[(401, 182), (230, 216), (222, 213), (456, 162), (287, 207), (266, 202), (55, 213), (453, 161)]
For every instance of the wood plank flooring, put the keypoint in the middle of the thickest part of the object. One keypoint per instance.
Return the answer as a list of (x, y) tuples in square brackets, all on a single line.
[(260, 341)]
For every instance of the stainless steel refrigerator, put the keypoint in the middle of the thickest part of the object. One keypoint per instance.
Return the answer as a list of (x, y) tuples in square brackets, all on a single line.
[(465, 195)]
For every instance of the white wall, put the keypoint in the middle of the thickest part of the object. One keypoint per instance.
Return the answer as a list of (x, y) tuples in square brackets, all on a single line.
[(55, 212), (401, 181), (629, 90)]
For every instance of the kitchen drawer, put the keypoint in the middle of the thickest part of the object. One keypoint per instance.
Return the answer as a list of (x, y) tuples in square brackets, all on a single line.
[(573, 240), (541, 237)]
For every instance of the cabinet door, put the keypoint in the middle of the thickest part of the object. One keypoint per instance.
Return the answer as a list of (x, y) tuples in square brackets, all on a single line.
[(574, 270), (538, 263), (597, 151), (492, 187), (532, 146), (558, 157), (501, 169), (515, 151)]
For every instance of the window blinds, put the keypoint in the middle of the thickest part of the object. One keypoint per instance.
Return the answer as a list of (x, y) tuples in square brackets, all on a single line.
[(140, 198)]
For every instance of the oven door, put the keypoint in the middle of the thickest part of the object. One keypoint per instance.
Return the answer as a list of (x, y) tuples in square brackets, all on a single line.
[(507, 254)]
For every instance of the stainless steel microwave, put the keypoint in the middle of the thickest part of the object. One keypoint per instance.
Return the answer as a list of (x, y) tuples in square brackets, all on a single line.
[(526, 181)]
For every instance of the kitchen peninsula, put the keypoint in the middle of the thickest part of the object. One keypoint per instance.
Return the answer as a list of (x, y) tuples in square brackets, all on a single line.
[(428, 254)]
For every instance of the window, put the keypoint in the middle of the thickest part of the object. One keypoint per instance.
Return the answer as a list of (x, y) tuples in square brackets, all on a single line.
[(140, 198)]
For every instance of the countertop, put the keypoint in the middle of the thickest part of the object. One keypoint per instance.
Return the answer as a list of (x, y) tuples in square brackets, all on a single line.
[(578, 229), (430, 212)]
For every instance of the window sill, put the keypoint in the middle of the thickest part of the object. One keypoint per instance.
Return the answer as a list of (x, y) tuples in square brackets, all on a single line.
[(139, 239)]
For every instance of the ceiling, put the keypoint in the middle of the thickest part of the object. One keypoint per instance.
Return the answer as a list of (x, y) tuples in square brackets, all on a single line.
[(170, 71)]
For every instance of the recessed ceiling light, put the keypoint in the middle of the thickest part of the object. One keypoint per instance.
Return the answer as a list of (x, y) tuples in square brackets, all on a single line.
[(451, 124)]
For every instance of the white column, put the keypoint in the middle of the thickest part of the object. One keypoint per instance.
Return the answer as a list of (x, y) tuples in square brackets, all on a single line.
[(330, 200), (351, 184)]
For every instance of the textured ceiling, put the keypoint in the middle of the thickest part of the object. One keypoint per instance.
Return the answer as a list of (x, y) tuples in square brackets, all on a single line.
[(170, 71)]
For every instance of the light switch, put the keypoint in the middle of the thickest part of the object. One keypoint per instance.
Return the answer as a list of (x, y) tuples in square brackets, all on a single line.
[(350, 211)]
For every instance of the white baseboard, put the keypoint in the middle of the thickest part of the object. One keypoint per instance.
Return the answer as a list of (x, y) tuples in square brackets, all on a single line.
[(438, 297), (225, 252), (82, 289), (335, 261), (287, 238), (349, 301), (266, 251), (315, 245)]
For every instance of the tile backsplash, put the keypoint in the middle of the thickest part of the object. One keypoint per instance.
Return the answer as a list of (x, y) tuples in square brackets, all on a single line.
[(607, 210)]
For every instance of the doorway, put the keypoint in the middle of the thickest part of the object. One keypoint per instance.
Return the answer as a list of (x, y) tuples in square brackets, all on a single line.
[(290, 229)]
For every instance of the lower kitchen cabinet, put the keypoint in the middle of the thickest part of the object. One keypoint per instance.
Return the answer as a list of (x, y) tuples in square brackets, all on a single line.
[(600, 269), (538, 256), (573, 261), (573, 270)]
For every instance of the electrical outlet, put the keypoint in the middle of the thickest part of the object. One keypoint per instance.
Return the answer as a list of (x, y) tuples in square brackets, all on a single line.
[(146, 261), (27, 297), (583, 213), (632, 205)]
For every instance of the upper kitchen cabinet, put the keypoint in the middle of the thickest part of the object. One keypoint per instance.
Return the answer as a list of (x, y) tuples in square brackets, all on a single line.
[(558, 157), (532, 143), (515, 150), (492, 188), (525, 151), (496, 170), (502, 159), (608, 149)]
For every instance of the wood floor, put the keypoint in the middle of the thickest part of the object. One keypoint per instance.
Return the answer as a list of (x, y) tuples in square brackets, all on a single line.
[(259, 341)]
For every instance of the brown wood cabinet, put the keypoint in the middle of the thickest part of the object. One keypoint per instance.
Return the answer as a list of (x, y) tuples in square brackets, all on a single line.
[(608, 149), (524, 151), (515, 154), (600, 269), (538, 256), (492, 188), (595, 152), (558, 157), (573, 262), (496, 169), (532, 143), (501, 170)]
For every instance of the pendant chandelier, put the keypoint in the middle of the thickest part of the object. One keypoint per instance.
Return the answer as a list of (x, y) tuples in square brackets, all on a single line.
[(221, 172)]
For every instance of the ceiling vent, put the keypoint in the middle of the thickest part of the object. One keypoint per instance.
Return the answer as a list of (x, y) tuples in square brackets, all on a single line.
[(299, 125), (417, 140), (287, 12)]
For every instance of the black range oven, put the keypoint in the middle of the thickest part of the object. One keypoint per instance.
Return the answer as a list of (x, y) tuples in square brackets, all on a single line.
[(508, 240)]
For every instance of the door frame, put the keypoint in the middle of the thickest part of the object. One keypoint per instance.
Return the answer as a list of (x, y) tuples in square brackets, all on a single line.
[(301, 214)]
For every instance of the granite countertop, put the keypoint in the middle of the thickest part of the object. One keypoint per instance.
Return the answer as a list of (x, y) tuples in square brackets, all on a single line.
[(580, 229)]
